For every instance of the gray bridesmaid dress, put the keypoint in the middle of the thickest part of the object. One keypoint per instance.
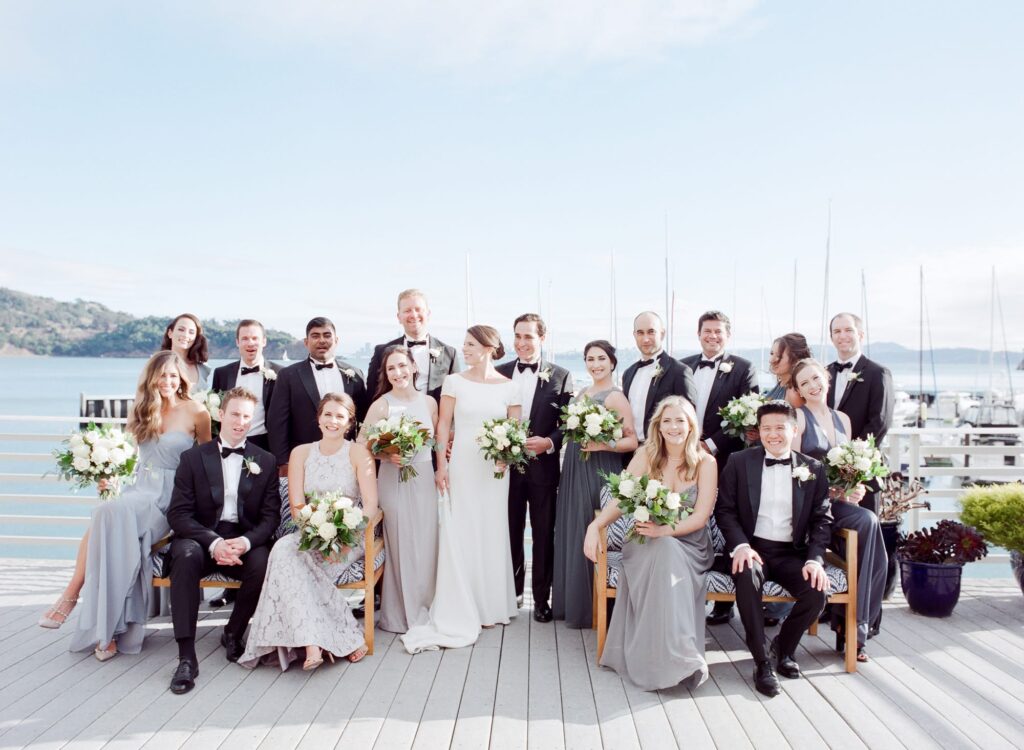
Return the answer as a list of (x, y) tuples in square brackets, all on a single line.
[(410, 530), (579, 495), (656, 636), (118, 572)]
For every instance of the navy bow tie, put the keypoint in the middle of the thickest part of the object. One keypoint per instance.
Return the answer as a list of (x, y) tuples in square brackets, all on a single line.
[(326, 366), (411, 344), (225, 451), (645, 362), (524, 366), (250, 370), (707, 363), (769, 462), (843, 366)]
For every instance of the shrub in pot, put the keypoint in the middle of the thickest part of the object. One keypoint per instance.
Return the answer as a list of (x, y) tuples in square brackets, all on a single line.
[(997, 511), (932, 563)]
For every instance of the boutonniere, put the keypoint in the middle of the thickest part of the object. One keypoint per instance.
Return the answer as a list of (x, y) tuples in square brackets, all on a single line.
[(802, 474), (658, 371), (854, 377), (251, 466), (349, 373), (268, 374), (545, 374), (725, 367), (435, 354)]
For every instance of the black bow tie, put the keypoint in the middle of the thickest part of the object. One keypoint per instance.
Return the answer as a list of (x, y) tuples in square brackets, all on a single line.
[(843, 366), (769, 462), (707, 363), (225, 451), (645, 362), (524, 366), (325, 366), (411, 344), (250, 370)]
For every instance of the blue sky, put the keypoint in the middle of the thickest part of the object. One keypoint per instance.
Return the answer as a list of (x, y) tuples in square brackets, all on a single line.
[(281, 160)]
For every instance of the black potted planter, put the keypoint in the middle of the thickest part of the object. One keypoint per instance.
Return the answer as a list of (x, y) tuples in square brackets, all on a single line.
[(932, 563), (1017, 563), (931, 589), (890, 536)]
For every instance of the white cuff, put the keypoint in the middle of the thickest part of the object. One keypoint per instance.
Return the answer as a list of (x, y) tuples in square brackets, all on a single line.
[(248, 544), (215, 543), (711, 446), (814, 562), (737, 548), (550, 450)]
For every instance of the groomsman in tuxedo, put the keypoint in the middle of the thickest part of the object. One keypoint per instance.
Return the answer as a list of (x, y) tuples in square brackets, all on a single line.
[(224, 508), (434, 359), (253, 373), (545, 389), (655, 376), (774, 511), (860, 388), (292, 419)]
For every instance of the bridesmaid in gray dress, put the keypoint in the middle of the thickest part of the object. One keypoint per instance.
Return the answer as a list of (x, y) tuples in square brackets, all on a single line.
[(579, 493), (410, 507), (656, 636), (185, 337), (113, 568)]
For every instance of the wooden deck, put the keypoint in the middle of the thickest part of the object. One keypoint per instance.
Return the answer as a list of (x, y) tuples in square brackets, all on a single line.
[(955, 683)]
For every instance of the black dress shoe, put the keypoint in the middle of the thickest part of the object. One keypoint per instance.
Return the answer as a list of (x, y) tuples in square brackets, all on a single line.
[(721, 613), (184, 678), (541, 612), (784, 664), (765, 681), (770, 622), (227, 596), (234, 647)]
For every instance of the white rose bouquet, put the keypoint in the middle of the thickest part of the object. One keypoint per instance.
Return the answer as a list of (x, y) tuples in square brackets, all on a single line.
[(210, 400), (400, 436), (585, 420), (646, 500), (854, 462), (97, 453), (328, 522), (740, 414), (505, 440)]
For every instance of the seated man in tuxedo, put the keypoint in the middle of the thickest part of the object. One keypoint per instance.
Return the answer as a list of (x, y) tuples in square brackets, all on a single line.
[(774, 512), (252, 372), (224, 509)]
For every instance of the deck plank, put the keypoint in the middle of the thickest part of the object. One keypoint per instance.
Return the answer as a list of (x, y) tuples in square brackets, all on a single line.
[(476, 710), (545, 731), (439, 715), (373, 706), (403, 718), (511, 705), (579, 712), (614, 717)]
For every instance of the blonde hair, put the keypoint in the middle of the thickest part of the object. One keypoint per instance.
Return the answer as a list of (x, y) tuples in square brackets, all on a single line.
[(655, 451), (145, 421), (405, 294)]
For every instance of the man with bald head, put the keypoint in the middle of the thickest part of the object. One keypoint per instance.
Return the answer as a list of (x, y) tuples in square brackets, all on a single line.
[(656, 375)]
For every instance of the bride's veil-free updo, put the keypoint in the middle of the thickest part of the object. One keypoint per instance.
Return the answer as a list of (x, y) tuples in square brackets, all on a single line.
[(488, 336)]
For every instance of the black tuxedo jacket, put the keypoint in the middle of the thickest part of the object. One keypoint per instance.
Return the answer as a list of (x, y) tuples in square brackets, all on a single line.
[(441, 366), (676, 379), (544, 416), (197, 499), (225, 377), (739, 498), (739, 381), (291, 419), (867, 402)]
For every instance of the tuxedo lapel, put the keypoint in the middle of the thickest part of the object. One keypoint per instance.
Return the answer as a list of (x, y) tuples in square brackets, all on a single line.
[(438, 366), (833, 373), (716, 387), (232, 376), (214, 475), (798, 497), (627, 378), (655, 382), (537, 391), (309, 383), (245, 480), (755, 464), (851, 384)]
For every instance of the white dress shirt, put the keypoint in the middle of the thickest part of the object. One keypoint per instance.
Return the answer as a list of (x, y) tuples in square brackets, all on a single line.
[(421, 356), (231, 468), (253, 382), (527, 387), (637, 395), (328, 379), (775, 513), (843, 378), (704, 379)]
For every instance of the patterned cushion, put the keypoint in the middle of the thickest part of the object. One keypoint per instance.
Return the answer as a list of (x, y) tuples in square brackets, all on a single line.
[(720, 583), (616, 532), (355, 572), (162, 564), (614, 569), (717, 537)]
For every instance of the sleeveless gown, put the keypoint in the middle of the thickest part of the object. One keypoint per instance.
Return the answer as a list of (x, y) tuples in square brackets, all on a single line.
[(410, 530), (300, 604), (656, 636), (579, 495), (474, 585), (118, 571), (872, 560)]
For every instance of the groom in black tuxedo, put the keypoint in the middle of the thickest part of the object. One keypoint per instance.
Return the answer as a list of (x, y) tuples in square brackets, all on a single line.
[(655, 376), (252, 372), (292, 418), (224, 509), (774, 512), (545, 389), (860, 388), (434, 359)]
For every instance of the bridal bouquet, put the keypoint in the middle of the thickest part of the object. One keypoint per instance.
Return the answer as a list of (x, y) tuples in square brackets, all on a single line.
[(586, 420), (505, 440), (399, 436), (644, 499), (854, 462), (328, 522), (211, 402), (740, 414), (96, 453)]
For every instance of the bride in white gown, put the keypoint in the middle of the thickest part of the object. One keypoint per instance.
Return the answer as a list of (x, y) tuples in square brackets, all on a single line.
[(474, 586)]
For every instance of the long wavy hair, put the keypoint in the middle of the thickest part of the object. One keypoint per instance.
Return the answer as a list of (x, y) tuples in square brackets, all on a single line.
[(145, 422), (383, 383), (199, 352), (655, 450)]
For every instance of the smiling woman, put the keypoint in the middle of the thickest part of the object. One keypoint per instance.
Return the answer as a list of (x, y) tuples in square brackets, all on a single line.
[(184, 336)]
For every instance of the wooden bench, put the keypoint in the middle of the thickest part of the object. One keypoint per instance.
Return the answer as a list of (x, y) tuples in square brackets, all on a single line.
[(603, 592), (373, 543)]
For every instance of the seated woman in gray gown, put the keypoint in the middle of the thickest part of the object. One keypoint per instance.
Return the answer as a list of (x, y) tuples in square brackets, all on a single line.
[(656, 636), (112, 571)]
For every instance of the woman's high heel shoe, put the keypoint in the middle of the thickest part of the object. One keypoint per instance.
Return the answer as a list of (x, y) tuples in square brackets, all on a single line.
[(311, 665), (58, 614)]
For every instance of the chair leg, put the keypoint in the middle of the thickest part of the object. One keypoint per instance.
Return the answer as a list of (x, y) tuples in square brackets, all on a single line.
[(602, 624), (813, 630), (368, 611), (851, 637), (593, 606)]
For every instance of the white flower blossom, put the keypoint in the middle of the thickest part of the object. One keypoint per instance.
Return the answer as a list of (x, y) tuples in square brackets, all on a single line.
[(268, 374), (306, 512), (673, 501), (802, 474), (641, 514), (653, 488), (352, 517), (327, 531), (100, 455), (81, 463), (319, 517), (572, 422), (626, 487)]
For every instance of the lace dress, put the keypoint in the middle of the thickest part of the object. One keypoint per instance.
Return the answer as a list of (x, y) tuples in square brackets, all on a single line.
[(300, 604)]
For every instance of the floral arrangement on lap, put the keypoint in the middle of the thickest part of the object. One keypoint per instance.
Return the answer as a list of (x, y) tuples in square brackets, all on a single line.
[(646, 500), (328, 523), (95, 454), (855, 462)]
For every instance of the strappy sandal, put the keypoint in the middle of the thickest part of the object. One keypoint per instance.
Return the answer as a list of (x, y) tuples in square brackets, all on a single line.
[(311, 665), (358, 654), (862, 656), (106, 654), (50, 619)]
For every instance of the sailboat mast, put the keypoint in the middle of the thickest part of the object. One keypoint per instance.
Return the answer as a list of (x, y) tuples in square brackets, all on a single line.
[(992, 339), (668, 309), (864, 310), (793, 328), (920, 349), (469, 296), (615, 306), (824, 303)]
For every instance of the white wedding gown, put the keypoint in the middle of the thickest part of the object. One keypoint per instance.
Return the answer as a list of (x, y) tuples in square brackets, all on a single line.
[(474, 564)]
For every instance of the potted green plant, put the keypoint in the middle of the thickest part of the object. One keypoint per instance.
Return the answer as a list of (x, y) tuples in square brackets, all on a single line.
[(997, 511), (932, 563), (898, 497)]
